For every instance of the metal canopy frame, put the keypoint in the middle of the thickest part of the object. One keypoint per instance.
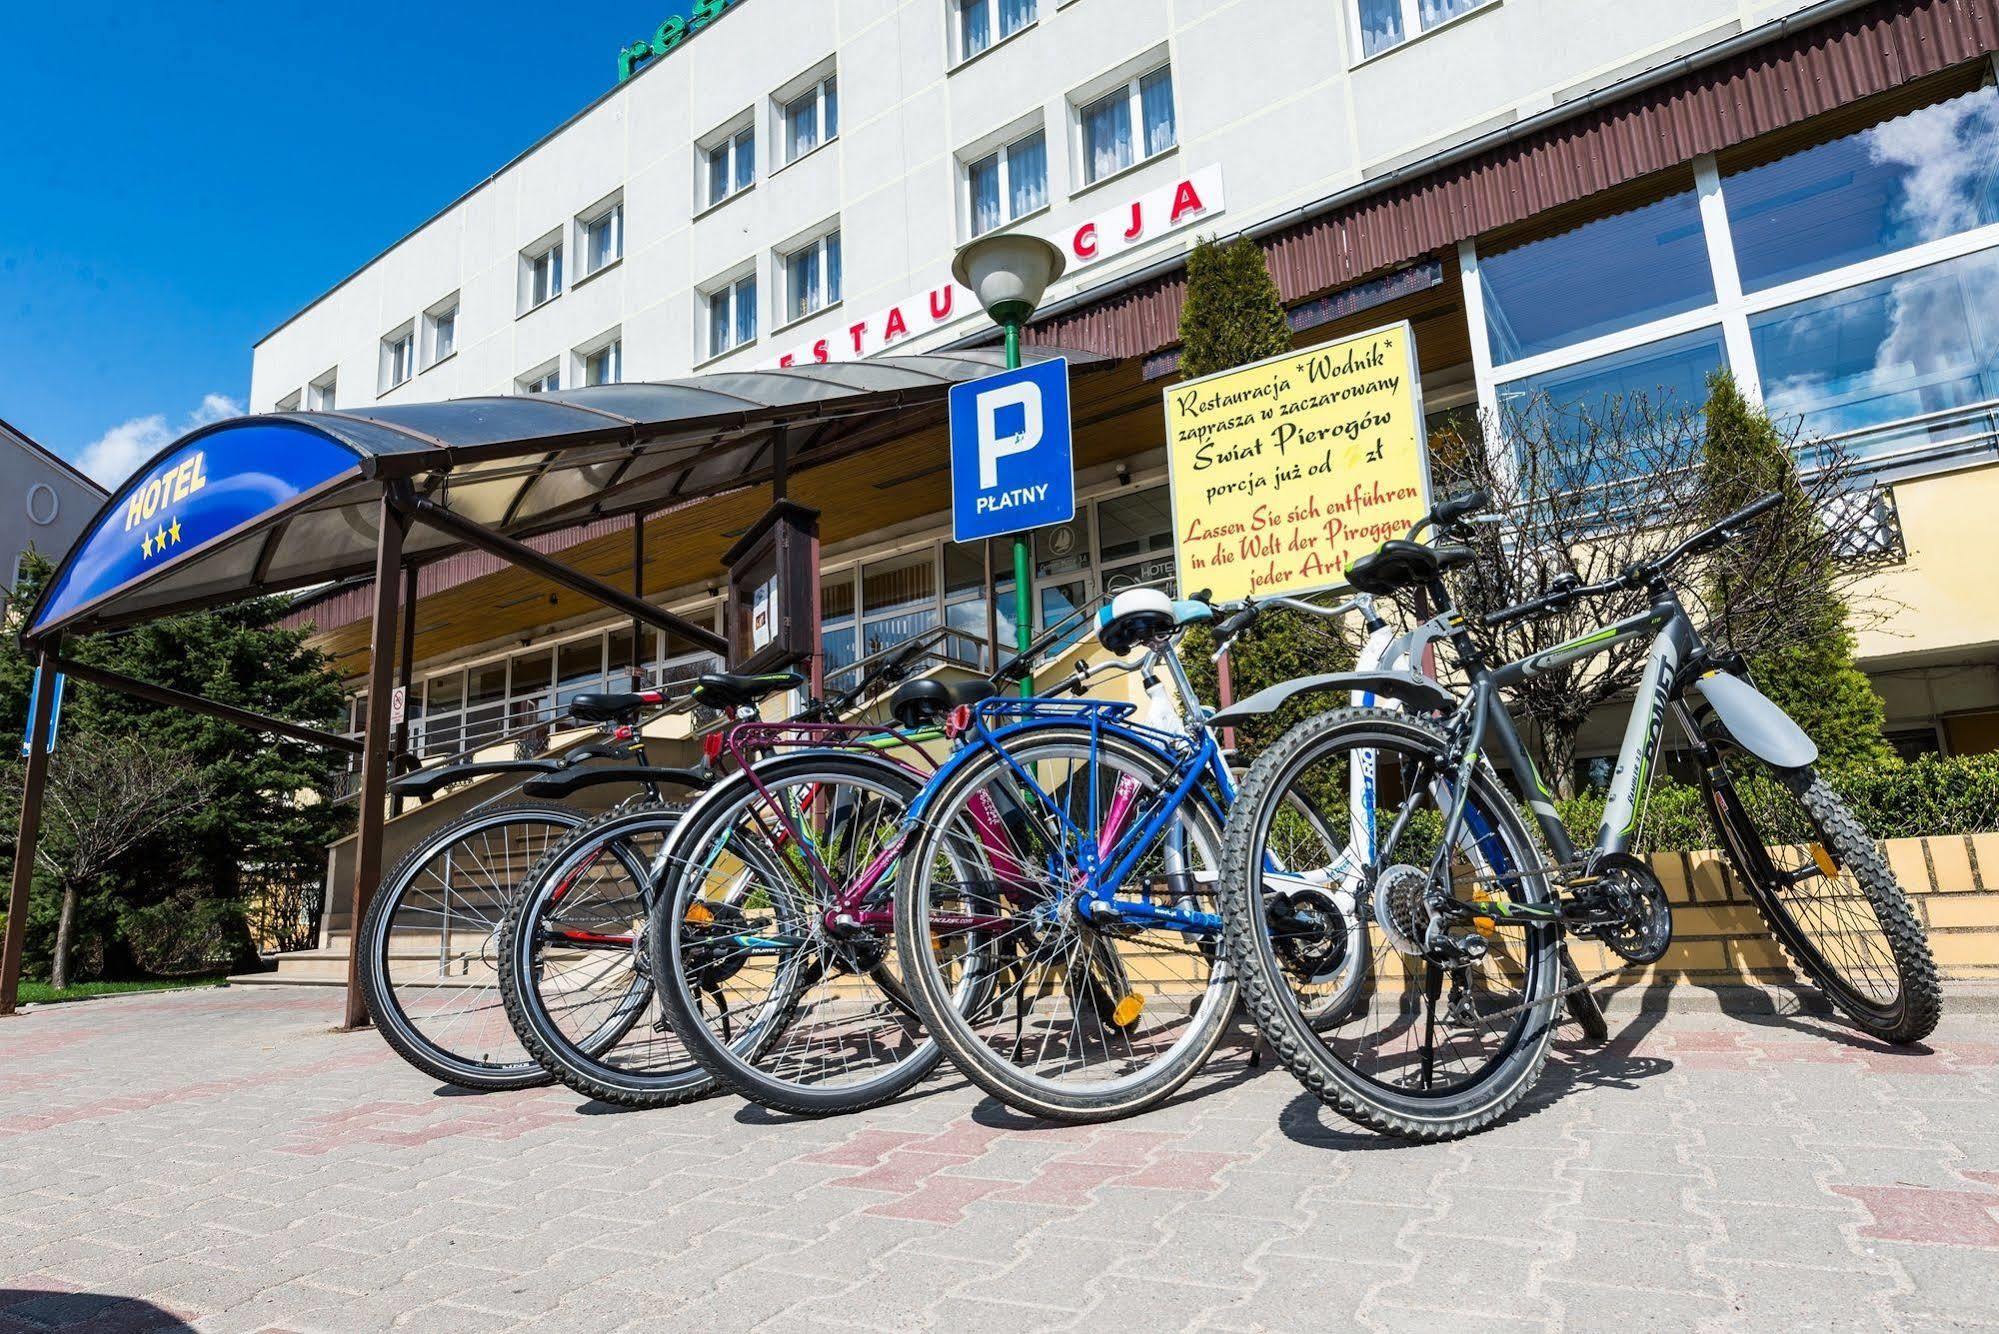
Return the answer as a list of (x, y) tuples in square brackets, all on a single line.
[(401, 486)]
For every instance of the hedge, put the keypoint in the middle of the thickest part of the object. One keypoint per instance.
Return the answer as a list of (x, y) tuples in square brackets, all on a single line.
[(1898, 798)]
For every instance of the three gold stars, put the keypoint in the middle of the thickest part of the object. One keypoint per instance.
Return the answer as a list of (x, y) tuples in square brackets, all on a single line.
[(157, 541)]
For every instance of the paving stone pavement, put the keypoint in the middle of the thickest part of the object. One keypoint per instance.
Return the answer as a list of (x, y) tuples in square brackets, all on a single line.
[(222, 1158)]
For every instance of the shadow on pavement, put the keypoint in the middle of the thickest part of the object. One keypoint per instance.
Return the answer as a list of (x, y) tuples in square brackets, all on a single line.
[(25, 1309)]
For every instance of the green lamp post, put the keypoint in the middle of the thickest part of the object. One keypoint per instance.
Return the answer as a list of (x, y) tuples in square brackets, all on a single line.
[(1009, 273)]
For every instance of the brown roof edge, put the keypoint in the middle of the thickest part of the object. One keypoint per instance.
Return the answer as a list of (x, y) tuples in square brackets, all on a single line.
[(1791, 75)]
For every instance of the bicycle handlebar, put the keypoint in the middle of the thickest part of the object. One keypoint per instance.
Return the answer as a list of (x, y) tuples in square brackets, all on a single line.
[(1640, 575)]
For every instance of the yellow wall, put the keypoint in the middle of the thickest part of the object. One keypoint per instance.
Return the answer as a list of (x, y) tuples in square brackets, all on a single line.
[(1945, 599)]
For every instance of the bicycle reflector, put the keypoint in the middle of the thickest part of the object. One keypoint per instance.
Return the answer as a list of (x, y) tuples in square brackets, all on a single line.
[(711, 747), (959, 722)]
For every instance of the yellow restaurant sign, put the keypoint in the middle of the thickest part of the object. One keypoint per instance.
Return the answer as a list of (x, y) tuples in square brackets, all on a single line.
[(1287, 470)]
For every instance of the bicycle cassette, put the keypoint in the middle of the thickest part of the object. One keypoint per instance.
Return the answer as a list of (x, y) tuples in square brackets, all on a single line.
[(1631, 914), (1399, 908)]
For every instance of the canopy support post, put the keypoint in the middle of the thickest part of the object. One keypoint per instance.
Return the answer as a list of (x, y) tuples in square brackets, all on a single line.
[(29, 831), (638, 591), (405, 669), (391, 521)]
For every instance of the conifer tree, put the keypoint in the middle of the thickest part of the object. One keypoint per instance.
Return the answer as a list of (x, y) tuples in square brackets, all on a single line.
[(1765, 590)]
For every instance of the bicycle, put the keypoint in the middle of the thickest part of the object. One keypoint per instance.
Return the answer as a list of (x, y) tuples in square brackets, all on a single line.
[(775, 955), (573, 963), (426, 941), (1087, 936), (1471, 918)]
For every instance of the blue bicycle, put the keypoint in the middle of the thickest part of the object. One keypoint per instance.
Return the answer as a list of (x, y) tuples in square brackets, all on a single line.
[(1088, 901)]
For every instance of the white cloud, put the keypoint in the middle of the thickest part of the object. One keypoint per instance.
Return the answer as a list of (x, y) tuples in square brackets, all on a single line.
[(111, 457)]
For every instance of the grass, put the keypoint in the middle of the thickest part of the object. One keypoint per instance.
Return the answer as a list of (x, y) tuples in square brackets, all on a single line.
[(41, 993)]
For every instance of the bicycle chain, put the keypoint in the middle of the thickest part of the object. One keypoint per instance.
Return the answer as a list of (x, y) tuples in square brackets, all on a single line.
[(1583, 985)]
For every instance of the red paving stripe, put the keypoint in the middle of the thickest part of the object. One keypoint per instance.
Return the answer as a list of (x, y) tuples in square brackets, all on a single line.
[(941, 1200), (1927, 1216), (865, 1149)]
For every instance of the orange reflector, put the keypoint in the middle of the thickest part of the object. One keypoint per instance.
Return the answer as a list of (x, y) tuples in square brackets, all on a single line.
[(1126, 1013), (1485, 926), (699, 914), (1826, 864)]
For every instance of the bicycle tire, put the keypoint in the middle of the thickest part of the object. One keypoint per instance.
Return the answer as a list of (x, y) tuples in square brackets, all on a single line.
[(972, 1055), (740, 1063), (1917, 1006), (1270, 1004), (569, 1062), (388, 1011)]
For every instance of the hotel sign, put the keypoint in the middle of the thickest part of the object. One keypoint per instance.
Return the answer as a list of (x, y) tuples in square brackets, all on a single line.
[(1136, 222), (672, 31)]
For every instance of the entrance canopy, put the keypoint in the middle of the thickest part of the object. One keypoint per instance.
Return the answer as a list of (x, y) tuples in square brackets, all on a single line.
[(264, 504)]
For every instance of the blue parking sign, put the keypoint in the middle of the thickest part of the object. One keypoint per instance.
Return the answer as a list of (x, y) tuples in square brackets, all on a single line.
[(1012, 458)]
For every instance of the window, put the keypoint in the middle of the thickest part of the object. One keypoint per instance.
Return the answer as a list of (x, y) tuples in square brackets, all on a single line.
[(1381, 24), (983, 22), (398, 358), (319, 394), (731, 163), (1132, 122), (1920, 177), (1915, 344), (541, 275), (732, 315), (606, 365), (547, 380), (604, 239), (811, 118), (1135, 538), (440, 331), (1605, 275), (289, 403), (812, 277), (1008, 183), (1574, 403)]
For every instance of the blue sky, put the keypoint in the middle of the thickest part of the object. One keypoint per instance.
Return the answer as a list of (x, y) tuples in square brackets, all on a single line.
[(178, 179)]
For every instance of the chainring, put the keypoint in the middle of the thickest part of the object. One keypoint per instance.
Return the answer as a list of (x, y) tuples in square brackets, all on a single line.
[(1639, 926), (1309, 934)]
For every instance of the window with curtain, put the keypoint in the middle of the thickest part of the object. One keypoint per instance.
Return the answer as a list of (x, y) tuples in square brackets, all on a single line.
[(812, 276), (837, 636), (606, 365), (1609, 274), (732, 165), (898, 600), (1008, 183), (1920, 177), (732, 315), (1132, 122), (811, 118), (604, 238), (983, 22), (1380, 25)]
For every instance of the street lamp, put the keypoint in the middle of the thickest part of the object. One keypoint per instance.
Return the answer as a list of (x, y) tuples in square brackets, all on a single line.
[(1009, 273)]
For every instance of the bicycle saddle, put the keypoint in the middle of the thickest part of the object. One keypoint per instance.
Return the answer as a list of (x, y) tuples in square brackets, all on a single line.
[(927, 702), (616, 706), (731, 690), (1398, 565)]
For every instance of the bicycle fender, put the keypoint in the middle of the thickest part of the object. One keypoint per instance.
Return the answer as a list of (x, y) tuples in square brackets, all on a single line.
[(1413, 689), (573, 780), (1758, 725)]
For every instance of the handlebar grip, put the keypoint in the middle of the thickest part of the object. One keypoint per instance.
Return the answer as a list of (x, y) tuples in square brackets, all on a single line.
[(1748, 512), (1470, 502), (1234, 623)]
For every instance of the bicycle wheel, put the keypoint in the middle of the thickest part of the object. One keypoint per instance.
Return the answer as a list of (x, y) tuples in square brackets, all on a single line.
[(1827, 894), (775, 962), (573, 973), (429, 950), (1087, 1014), (1317, 932), (1437, 1049)]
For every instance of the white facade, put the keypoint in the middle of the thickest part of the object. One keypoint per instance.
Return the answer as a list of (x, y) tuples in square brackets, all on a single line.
[(1272, 106)]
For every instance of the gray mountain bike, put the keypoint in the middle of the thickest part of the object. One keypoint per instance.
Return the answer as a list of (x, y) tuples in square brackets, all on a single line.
[(1470, 918)]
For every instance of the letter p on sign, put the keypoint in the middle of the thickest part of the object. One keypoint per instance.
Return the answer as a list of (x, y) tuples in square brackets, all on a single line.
[(1012, 464), (1023, 430)]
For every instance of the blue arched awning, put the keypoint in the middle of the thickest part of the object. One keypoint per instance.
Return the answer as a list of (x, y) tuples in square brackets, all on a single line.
[(284, 501)]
